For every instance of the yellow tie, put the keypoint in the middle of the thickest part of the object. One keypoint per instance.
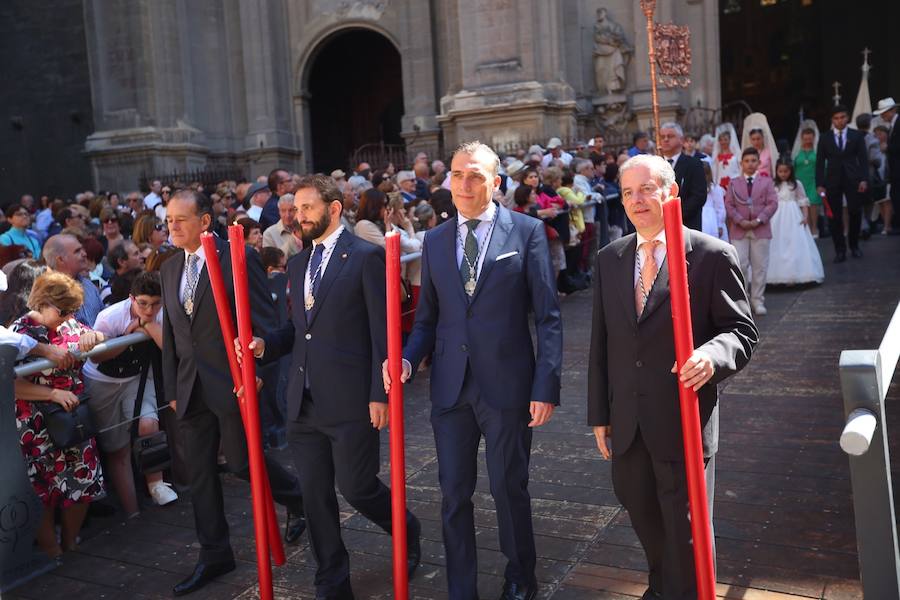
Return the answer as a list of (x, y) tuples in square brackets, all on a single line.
[(648, 275)]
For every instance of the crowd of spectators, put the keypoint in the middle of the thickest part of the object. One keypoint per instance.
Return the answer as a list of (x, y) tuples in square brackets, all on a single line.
[(85, 269)]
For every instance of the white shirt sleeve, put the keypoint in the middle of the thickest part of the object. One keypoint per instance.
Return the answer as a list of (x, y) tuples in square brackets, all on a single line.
[(23, 343)]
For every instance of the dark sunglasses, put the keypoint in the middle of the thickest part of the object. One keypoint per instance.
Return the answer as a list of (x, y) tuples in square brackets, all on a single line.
[(159, 227), (167, 191), (110, 220)]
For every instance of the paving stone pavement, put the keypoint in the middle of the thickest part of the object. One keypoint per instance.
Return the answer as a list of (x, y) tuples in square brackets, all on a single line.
[(783, 512)]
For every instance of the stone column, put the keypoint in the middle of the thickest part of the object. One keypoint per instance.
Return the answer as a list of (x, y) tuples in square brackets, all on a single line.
[(135, 58), (269, 141), (419, 125)]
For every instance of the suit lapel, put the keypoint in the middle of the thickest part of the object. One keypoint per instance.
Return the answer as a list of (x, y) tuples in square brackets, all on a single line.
[(502, 227), (336, 262), (626, 283)]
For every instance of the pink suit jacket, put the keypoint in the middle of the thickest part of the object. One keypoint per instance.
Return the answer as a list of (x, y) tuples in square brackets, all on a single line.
[(761, 205)]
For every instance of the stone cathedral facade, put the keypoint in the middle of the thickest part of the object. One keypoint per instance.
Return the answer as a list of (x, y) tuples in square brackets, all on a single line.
[(192, 84)]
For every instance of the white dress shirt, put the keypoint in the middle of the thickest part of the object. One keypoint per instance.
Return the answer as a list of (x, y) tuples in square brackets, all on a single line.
[(330, 242), (482, 234), (201, 254), (659, 253), (840, 137)]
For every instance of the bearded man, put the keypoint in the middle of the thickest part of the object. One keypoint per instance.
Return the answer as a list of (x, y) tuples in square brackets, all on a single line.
[(336, 399)]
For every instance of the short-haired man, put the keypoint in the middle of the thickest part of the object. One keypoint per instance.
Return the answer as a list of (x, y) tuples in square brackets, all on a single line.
[(64, 253), (281, 234), (689, 174), (337, 340), (199, 384), (280, 183), (118, 379), (422, 180), (482, 274), (632, 388), (640, 143), (152, 199), (842, 171)]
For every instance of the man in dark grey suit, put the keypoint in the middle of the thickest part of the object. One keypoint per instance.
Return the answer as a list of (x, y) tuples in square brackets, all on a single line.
[(632, 388), (198, 380)]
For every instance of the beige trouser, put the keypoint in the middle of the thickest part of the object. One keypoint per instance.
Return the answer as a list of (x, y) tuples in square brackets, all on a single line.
[(754, 255)]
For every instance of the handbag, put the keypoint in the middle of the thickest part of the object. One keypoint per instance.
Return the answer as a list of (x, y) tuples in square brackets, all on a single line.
[(69, 428), (150, 453)]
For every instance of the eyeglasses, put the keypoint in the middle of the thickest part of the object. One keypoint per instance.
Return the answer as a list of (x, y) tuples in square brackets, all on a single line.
[(159, 227), (111, 220), (143, 304), (166, 191), (61, 313), (77, 216)]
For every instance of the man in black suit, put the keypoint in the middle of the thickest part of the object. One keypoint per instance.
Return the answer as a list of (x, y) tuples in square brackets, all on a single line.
[(842, 171), (338, 339), (632, 389), (199, 382), (689, 174)]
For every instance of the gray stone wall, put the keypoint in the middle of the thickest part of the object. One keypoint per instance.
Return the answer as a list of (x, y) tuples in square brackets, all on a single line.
[(45, 103)]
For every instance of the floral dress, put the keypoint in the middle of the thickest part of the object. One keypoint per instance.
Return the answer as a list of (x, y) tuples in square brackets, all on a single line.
[(61, 477)]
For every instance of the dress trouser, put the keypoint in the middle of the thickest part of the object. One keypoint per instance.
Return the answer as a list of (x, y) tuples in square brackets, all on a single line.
[(457, 434), (654, 493), (854, 212), (754, 256), (201, 429), (346, 453)]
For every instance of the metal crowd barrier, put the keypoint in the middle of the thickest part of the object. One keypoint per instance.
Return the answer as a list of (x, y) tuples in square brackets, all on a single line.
[(102, 347), (865, 378), (20, 508)]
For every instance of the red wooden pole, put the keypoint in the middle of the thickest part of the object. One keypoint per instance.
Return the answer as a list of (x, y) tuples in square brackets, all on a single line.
[(395, 401), (690, 409), (223, 307)]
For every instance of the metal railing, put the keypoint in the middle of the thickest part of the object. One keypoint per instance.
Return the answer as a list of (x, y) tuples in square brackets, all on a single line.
[(101, 348), (865, 378)]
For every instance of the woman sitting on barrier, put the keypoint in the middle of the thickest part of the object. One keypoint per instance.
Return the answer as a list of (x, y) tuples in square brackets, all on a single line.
[(113, 379), (65, 478)]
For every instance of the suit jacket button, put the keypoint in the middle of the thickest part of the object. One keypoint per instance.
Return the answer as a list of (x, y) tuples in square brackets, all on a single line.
[(464, 348), (639, 364), (301, 369), (469, 314), (308, 336)]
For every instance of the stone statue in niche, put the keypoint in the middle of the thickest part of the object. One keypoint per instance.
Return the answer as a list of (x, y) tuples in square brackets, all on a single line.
[(612, 51)]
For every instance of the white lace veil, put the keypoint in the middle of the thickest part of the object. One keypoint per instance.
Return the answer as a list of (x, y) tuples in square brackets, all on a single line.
[(759, 121), (805, 124), (734, 145)]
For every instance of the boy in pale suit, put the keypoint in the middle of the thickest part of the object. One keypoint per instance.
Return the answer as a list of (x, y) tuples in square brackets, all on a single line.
[(750, 203)]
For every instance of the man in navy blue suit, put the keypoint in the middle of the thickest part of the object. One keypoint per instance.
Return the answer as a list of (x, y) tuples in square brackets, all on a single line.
[(482, 273), (337, 339)]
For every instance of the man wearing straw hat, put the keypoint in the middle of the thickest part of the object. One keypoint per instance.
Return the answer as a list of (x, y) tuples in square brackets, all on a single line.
[(887, 112)]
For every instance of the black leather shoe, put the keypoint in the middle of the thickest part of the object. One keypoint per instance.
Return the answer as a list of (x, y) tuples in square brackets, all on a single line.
[(856, 253), (413, 546), (840, 257), (651, 595), (203, 574), (518, 591), (294, 527)]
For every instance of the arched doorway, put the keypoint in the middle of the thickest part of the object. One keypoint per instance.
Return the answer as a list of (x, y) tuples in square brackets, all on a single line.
[(355, 96)]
